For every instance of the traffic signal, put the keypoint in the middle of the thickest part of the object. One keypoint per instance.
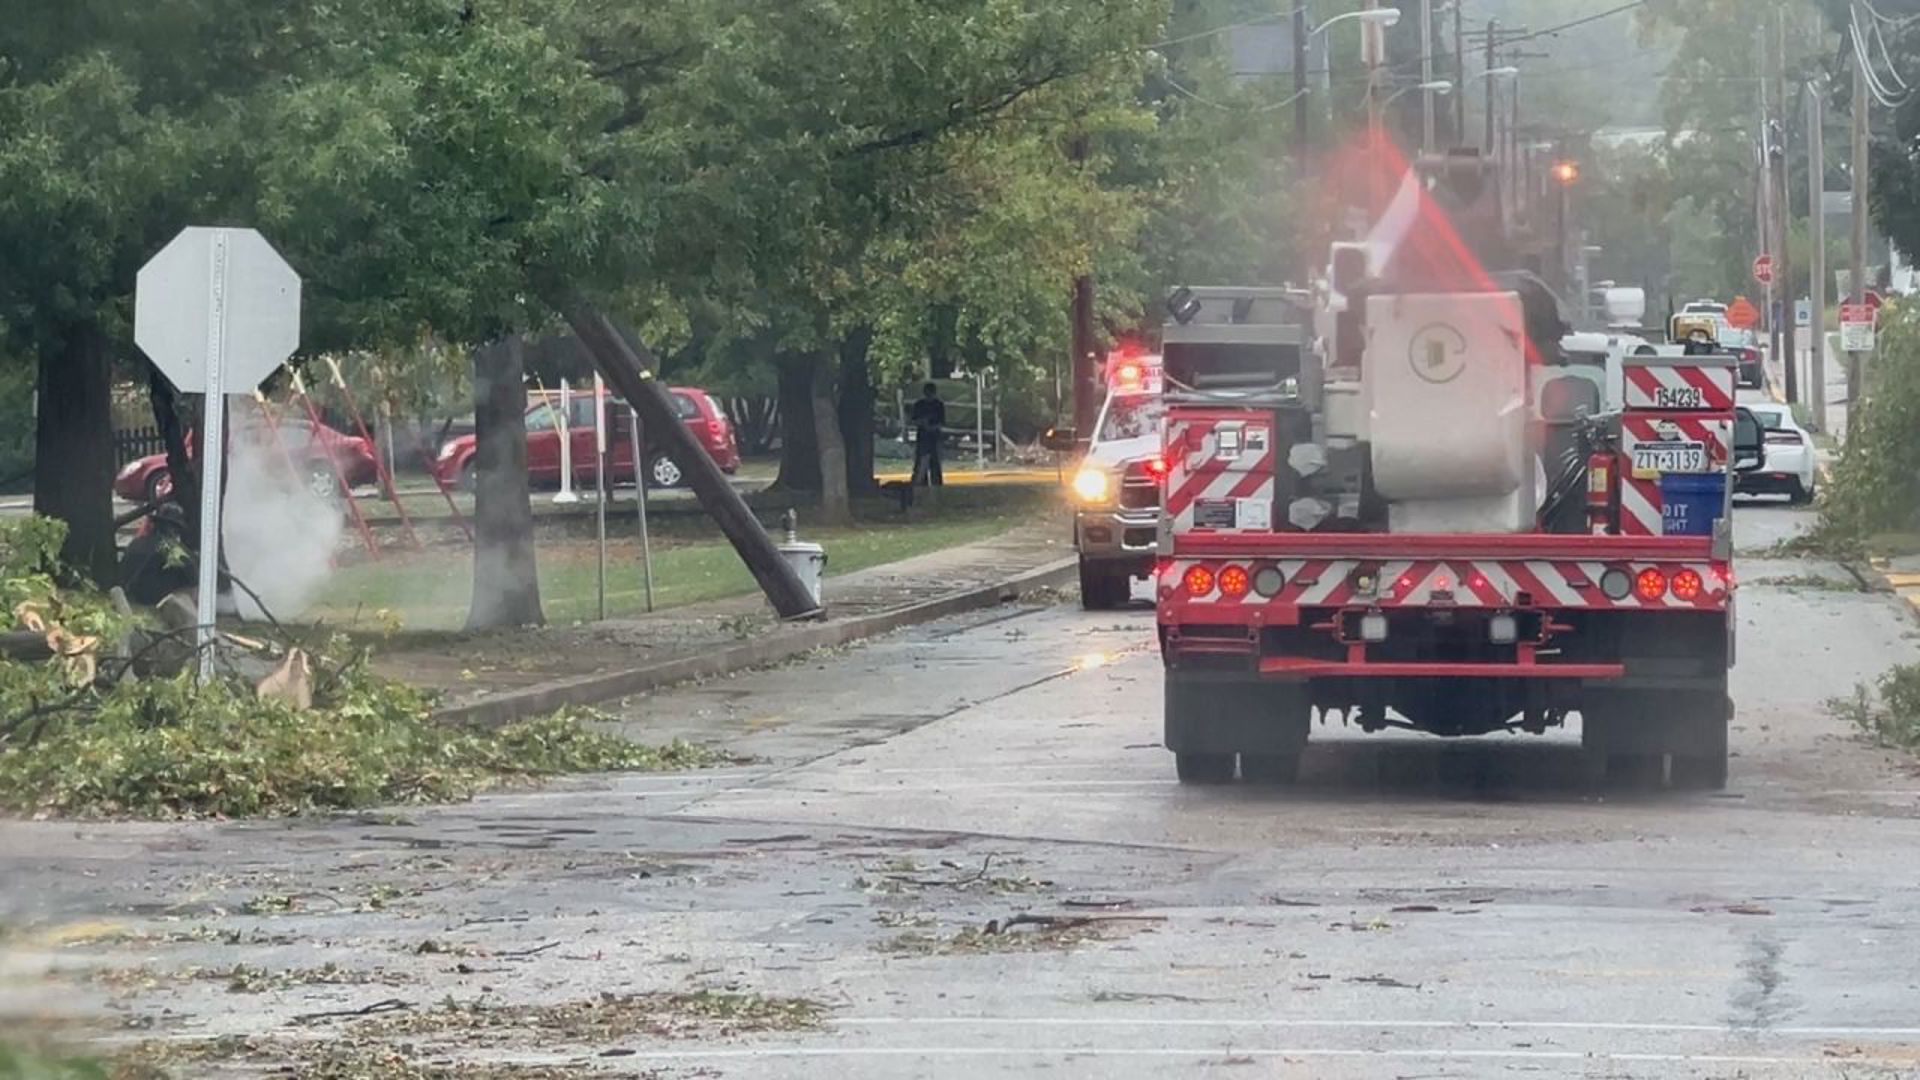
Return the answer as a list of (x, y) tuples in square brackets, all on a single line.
[(1566, 172)]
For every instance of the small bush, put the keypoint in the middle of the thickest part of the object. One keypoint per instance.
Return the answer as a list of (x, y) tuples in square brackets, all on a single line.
[(81, 735), (1875, 487), (1888, 712), (166, 748), (18, 1062)]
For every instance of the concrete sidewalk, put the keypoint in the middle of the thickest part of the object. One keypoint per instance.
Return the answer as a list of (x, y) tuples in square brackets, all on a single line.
[(500, 677)]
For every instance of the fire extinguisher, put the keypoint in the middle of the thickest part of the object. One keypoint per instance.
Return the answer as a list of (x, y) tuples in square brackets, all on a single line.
[(1602, 480)]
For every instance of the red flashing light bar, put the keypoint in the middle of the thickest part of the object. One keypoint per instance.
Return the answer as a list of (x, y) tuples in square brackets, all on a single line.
[(1131, 370)]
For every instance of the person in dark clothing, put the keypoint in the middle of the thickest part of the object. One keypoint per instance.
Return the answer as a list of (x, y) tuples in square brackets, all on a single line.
[(929, 416)]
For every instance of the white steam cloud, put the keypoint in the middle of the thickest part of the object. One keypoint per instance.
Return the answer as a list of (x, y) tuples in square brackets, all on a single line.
[(279, 536)]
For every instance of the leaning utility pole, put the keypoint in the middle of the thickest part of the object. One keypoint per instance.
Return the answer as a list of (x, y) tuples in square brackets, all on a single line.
[(1817, 267), (1862, 101), (1783, 215), (629, 369)]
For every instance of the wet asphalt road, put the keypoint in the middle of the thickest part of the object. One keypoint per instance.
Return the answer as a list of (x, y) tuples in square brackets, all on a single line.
[(1414, 908)]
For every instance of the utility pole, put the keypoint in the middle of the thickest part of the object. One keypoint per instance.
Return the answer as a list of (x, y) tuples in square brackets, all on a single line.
[(1817, 268), (1426, 76), (1086, 401), (1511, 165), (1459, 78), (1300, 113), (1376, 131), (1763, 224), (1783, 213), (1493, 36), (1862, 100)]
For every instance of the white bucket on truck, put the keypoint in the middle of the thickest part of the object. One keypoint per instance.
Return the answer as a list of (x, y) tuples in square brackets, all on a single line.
[(1447, 387)]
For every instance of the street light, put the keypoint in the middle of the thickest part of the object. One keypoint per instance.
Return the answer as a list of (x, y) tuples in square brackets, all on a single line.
[(1382, 17), (1566, 172), (1437, 86)]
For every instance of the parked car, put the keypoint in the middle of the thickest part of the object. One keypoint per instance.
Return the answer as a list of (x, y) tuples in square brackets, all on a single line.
[(307, 446), (1745, 344), (696, 408), (1790, 467)]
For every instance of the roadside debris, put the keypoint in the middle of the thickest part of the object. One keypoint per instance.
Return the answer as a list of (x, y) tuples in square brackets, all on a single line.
[(1024, 932)]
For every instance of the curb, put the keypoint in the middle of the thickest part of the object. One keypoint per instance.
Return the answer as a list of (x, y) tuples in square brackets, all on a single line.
[(513, 705), (1904, 585)]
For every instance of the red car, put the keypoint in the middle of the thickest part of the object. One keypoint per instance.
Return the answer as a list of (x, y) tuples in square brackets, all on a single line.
[(307, 447), (702, 415)]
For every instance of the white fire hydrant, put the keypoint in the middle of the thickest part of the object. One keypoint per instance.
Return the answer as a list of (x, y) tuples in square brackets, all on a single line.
[(809, 561)]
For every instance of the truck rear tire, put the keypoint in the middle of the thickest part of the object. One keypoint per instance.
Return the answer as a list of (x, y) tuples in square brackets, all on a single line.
[(1270, 768), (1209, 722), (1699, 750), (1204, 768), (1626, 734), (1103, 589)]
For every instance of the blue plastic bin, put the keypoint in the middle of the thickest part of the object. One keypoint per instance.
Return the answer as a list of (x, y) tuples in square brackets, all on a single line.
[(1691, 502)]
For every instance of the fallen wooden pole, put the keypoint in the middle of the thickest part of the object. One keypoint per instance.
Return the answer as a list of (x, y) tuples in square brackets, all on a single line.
[(629, 370)]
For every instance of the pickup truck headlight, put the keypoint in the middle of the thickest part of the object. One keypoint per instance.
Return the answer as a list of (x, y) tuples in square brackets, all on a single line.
[(1092, 485)]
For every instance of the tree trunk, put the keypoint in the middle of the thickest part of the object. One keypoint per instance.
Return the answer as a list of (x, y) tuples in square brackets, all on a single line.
[(799, 448), (856, 410), (73, 450), (506, 585), (834, 507), (182, 473)]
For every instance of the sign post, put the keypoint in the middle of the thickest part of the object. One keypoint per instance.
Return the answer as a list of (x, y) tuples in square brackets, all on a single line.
[(216, 310), (600, 487), (640, 502)]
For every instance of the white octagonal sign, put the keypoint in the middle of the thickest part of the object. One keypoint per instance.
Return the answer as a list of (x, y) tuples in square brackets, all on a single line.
[(217, 298)]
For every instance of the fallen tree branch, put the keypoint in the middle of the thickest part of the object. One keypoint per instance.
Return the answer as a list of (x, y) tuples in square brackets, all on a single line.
[(1062, 922), (375, 1009)]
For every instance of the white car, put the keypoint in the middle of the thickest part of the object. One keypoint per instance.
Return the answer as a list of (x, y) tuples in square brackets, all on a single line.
[(1790, 467)]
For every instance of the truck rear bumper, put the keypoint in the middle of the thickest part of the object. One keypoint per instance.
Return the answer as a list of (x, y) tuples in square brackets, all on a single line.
[(1290, 668)]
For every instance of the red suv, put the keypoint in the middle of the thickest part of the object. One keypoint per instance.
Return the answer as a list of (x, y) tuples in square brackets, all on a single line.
[(702, 415), (307, 447)]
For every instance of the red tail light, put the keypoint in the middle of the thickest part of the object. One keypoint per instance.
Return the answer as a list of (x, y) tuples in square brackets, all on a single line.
[(1687, 585), (717, 428), (1198, 580), (1234, 581), (1158, 468), (1651, 584), (1786, 438)]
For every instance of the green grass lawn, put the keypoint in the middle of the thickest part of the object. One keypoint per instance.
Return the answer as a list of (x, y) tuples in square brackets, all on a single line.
[(430, 590)]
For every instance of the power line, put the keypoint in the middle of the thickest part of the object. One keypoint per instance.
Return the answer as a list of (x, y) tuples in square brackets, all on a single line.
[(1226, 107), (1878, 89), (1578, 22), (1242, 24), (1887, 20)]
